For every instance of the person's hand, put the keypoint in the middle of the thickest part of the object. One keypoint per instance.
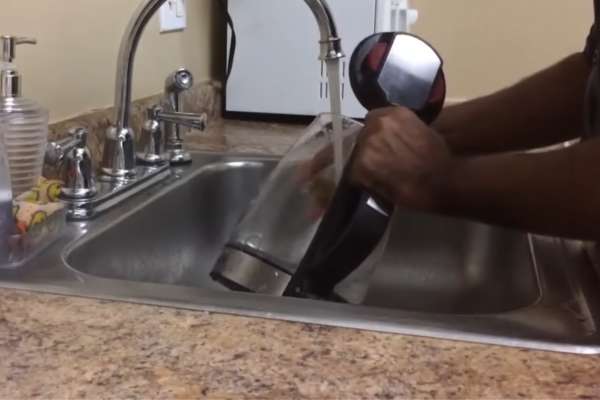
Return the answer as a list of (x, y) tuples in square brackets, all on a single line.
[(402, 159)]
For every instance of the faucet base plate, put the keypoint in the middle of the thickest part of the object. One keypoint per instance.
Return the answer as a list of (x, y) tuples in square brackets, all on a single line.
[(179, 157), (111, 192)]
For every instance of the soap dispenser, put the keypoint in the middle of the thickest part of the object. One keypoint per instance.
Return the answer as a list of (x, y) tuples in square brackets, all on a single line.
[(26, 122)]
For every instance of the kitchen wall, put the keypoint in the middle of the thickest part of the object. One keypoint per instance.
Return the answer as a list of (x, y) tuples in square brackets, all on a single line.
[(488, 44), (72, 69)]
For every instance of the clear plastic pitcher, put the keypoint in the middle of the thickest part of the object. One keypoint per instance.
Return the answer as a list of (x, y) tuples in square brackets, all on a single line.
[(293, 200), (309, 228)]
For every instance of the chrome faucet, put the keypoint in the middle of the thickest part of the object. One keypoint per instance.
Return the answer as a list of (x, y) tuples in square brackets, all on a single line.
[(177, 83), (152, 152), (161, 139), (74, 161), (119, 158)]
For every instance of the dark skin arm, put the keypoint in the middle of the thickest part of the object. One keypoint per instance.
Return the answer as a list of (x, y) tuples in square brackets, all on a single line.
[(409, 163), (552, 193), (542, 110)]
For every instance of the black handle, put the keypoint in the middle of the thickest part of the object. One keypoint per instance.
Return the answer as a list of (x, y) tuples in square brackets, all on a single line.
[(352, 228)]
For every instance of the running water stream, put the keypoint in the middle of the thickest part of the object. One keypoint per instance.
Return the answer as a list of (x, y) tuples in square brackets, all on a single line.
[(333, 74)]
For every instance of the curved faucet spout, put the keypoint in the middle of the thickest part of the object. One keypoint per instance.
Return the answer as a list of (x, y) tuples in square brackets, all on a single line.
[(331, 48), (331, 43), (119, 148)]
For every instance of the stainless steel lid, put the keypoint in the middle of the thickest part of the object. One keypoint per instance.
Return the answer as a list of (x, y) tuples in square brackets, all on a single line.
[(241, 271)]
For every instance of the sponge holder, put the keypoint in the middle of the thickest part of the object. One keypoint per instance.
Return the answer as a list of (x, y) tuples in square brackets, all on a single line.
[(17, 248), (23, 247)]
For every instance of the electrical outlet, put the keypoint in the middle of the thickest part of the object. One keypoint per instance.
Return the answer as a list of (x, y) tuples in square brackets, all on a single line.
[(173, 16), (395, 15)]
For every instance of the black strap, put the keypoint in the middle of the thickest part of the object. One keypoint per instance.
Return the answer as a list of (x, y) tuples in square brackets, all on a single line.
[(591, 50), (597, 15), (233, 44)]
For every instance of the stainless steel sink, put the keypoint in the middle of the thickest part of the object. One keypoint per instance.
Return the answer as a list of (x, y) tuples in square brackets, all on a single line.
[(444, 265), (439, 277), (177, 238)]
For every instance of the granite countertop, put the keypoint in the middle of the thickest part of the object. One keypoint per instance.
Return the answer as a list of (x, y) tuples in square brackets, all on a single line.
[(245, 137), (57, 347)]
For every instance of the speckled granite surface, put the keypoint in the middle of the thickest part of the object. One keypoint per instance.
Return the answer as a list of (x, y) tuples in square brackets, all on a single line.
[(55, 347), (245, 137)]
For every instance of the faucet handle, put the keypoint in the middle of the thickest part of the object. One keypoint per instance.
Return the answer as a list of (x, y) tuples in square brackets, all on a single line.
[(152, 135), (56, 151), (190, 120), (151, 140), (77, 169)]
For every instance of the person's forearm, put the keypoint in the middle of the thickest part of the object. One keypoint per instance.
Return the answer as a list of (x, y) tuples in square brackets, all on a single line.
[(554, 193), (544, 109)]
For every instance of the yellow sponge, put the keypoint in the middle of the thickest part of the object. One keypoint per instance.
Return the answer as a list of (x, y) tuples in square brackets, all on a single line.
[(34, 207)]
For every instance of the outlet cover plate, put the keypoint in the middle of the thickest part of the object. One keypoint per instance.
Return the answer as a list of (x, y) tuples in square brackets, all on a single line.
[(173, 16)]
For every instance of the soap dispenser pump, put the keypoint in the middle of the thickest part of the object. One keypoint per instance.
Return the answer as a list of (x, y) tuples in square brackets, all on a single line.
[(26, 131), (10, 80)]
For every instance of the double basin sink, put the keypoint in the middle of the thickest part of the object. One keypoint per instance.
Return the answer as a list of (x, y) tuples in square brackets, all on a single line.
[(439, 277)]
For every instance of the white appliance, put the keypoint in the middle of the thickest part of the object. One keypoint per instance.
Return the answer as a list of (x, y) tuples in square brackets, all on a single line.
[(276, 68)]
